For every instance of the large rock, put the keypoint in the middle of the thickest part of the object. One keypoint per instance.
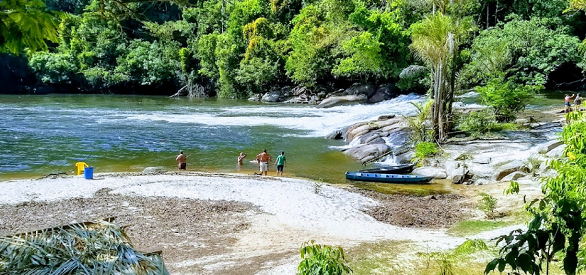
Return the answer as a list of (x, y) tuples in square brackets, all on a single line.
[(557, 152), (548, 146), (434, 172), (514, 176), (272, 96), (405, 157), (335, 135), (384, 92), (367, 152), (509, 168), (361, 89), (341, 100)]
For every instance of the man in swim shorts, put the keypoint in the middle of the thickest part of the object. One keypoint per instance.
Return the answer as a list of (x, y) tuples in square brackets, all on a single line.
[(280, 163), (567, 100), (181, 161), (263, 161)]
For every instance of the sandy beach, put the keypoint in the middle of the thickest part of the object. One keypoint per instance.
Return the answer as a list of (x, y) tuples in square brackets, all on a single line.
[(226, 223)]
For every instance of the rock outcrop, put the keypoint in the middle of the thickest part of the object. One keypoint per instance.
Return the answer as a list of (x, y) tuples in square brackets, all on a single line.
[(341, 100), (370, 139)]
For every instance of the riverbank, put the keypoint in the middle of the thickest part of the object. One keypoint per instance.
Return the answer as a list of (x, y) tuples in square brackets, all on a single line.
[(233, 224)]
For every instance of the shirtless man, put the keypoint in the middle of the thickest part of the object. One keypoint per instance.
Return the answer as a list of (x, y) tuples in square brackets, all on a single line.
[(263, 161), (181, 161), (578, 102), (567, 100), (241, 158)]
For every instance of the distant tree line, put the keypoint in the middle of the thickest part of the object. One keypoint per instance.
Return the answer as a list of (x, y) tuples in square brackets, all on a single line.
[(238, 48)]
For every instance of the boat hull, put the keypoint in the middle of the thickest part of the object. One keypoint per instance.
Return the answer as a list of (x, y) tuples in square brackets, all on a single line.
[(399, 169), (389, 178)]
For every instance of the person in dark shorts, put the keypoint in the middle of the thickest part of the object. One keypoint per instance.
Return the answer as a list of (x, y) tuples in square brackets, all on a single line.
[(181, 161), (280, 163), (567, 104)]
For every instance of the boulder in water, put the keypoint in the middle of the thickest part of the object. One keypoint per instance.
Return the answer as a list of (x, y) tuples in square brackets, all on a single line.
[(367, 152), (341, 100), (361, 89), (384, 92)]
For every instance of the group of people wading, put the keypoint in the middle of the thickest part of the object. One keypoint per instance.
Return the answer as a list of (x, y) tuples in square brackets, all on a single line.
[(577, 102), (262, 159)]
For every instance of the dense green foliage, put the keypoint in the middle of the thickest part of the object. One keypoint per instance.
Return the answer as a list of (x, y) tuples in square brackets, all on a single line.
[(506, 99), (559, 224), (424, 150), (317, 259), (25, 24), (241, 48)]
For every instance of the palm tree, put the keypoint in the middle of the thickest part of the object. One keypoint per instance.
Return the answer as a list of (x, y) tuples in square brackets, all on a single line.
[(436, 41), (85, 248)]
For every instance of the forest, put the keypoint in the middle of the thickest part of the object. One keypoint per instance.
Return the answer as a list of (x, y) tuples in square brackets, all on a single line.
[(242, 48)]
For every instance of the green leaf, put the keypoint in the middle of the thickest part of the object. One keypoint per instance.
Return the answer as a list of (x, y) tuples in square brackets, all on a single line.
[(570, 263), (491, 266), (501, 264)]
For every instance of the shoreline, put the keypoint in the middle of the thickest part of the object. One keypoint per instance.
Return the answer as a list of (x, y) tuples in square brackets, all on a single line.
[(214, 216)]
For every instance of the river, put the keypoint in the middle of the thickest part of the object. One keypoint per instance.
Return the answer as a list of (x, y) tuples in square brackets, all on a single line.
[(47, 134)]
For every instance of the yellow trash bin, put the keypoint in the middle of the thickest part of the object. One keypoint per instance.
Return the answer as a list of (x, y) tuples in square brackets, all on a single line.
[(80, 166)]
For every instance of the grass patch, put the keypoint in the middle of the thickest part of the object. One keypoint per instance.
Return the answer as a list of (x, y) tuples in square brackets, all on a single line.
[(471, 227), (387, 257)]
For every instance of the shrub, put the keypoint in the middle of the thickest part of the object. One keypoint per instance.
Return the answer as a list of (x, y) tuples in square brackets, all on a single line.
[(317, 259), (476, 123), (425, 149), (506, 99), (487, 204)]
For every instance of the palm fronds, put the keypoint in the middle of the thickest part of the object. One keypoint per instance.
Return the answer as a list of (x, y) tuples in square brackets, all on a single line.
[(85, 248)]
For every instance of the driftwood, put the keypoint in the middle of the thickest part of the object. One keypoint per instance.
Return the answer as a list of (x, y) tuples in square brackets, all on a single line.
[(53, 175)]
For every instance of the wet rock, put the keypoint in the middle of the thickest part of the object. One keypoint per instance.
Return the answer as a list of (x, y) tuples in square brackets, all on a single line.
[(384, 92), (405, 157), (273, 96), (361, 89), (256, 97), (557, 152), (335, 135), (341, 100), (509, 168), (514, 176), (548, 146), (480, 159), (366, 152), (428, 171)]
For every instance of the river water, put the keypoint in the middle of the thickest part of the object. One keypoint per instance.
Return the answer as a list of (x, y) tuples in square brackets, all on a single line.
[(48, 134)]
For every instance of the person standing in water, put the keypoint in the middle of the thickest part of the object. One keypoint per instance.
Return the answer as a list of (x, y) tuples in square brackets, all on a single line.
[(241, 158), (181, 161), (578, 102), (280, 163), (263, 161), (567, 104)]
